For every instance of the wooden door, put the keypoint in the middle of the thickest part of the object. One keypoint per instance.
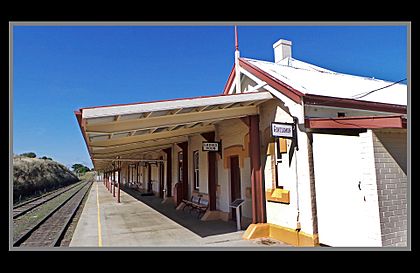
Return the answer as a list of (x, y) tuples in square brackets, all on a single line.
[(341, 206), (235, 182), (149, 177)]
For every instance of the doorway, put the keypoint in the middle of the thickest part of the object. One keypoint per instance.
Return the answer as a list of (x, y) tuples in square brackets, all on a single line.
[(235, 182), (340, 198), (149, 178), (161, 175)]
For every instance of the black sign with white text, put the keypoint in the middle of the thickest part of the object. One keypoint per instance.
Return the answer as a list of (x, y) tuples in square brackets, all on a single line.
[(211, 146)]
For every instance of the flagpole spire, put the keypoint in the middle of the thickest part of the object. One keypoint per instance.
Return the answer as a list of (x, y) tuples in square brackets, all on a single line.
[(237, 70), (236, 38)]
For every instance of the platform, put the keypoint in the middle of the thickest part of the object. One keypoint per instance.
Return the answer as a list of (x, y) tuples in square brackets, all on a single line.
[(133, 223)]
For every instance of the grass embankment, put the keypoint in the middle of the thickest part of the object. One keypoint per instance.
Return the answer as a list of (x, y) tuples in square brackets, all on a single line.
[(33, 177), (88, 176)]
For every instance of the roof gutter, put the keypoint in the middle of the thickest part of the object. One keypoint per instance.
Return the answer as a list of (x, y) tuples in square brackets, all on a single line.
[(310, 99)]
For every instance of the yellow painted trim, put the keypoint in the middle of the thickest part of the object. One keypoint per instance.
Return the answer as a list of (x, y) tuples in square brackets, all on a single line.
[(230, 151), (256, 231), (308, 239), (287, 235), (240, 150), (99, 218), (283, 145), (278, 195), (284, 234), (270, 149)]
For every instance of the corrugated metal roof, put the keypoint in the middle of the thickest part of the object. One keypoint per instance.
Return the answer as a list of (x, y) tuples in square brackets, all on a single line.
[(315, 80)]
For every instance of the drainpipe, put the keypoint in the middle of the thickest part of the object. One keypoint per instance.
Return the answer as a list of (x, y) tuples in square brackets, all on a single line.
[(296, 147), (296, 121)]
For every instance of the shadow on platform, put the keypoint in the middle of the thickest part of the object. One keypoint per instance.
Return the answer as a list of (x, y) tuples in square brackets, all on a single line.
[(185, 218)]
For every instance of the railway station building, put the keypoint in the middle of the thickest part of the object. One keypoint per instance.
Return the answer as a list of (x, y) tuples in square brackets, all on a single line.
[(319, 157)]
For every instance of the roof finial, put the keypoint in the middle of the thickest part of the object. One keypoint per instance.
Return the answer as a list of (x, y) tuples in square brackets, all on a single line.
[(236, 38)]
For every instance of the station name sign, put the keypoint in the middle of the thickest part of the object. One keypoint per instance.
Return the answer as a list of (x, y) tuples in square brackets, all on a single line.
[(284, 130), (211, 146)]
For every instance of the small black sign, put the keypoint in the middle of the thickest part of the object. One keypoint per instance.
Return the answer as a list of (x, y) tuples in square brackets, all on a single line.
[(211, 146), (236, 203)]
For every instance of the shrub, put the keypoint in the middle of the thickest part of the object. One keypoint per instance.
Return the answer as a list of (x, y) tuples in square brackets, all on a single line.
[(30, 155)]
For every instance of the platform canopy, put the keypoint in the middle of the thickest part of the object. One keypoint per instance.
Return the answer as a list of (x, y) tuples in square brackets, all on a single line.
[(126, 130)]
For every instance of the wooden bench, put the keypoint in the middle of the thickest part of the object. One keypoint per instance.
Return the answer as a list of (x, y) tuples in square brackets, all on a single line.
[(190, 203), (202, 206), (196, 203)]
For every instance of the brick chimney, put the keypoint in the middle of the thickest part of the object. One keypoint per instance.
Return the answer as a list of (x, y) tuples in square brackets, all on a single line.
[(282, 50)]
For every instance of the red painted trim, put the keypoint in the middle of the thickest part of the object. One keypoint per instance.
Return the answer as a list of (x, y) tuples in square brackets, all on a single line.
[(81, 126), (310, 99), (229, 81), (404, 123), (168, 153), (185, 170), (112, 183), (287, 90), (119, 186), (236, 38), (367, 122), (257, 186)]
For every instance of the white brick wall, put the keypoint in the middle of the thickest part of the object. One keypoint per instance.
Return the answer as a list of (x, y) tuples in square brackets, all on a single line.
[(285, 215), (390, 148), (369, 188)]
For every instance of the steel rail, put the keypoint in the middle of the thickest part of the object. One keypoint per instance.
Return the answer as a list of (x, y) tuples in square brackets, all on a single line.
[(50, 196), (27, 234)]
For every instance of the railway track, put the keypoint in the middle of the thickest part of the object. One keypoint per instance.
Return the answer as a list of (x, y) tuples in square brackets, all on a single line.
[(49, 231), (29, 205)]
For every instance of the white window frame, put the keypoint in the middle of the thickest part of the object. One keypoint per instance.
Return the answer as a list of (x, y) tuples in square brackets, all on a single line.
[(180, 166)]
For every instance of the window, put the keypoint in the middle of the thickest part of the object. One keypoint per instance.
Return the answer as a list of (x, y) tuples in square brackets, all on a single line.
[(196, 164), (180, 166), (131, 173)]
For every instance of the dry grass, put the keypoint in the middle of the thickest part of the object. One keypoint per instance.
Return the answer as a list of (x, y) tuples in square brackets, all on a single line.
[(32, 176)]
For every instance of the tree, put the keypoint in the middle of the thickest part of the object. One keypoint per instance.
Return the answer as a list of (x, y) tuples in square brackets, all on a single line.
[(46, 158), (76, 166), (79, 168), (30, 155)]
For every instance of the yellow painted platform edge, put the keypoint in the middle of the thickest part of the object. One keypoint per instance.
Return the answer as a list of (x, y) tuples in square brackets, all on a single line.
[(99, 217)]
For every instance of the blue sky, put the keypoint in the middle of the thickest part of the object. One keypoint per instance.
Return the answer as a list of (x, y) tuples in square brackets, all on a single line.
[(59, 69)]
